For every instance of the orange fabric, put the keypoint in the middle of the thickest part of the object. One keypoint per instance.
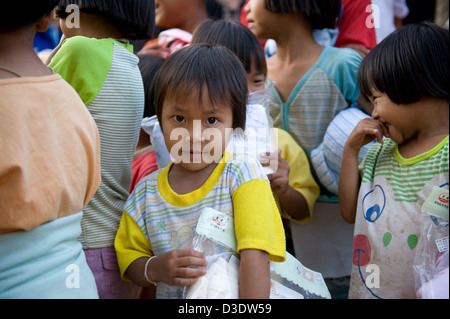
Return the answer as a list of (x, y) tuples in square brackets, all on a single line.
[(50, 161)]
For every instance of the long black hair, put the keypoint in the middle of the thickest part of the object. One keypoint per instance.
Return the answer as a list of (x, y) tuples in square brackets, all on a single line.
[(236, 37), (15, 14)]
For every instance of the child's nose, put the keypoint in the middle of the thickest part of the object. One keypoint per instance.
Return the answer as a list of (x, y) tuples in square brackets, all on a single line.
[(195, 133), (247, 7), (374, 113)]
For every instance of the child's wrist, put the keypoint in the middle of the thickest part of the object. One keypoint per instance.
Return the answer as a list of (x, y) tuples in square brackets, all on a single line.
[(147, 272), (351, 150)]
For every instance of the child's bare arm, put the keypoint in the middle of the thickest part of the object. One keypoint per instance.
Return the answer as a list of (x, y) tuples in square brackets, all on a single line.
[(254, 274), (349, 179), (349, 182), (172, 268)]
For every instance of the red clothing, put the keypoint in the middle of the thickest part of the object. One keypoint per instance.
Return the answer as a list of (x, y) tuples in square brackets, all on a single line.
[(352, 25), (141, 167), (244, 14)]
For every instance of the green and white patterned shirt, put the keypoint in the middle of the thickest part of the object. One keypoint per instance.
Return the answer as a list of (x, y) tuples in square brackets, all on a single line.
[(105, 74), (390, 218)]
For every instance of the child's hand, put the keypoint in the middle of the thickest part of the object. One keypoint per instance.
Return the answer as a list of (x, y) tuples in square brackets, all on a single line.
[(279, 181), (153, 48), (365, 132), (175, 267)]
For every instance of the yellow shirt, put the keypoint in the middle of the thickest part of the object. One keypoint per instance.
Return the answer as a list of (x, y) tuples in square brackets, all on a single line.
[(157, 220)]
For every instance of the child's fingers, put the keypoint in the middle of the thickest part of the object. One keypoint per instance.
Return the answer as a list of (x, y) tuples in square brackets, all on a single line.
[(184, 281), (373, 133), (188, 257), (190, 265), (375, 128), (267, 158), (378, 131), (189, 252), (190, 272), (186, 276), (384, 129)]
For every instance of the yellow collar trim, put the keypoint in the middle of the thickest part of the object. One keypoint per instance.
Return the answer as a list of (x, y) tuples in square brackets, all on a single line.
[(419, 158), (191, 198)]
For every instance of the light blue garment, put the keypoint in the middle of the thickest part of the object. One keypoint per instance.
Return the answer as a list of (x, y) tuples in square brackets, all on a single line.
[(46, 263), (326, 37), (329, 87), (326, 159)]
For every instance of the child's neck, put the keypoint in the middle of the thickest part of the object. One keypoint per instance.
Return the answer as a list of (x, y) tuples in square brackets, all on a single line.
[(296, 42), (183, 181), (95, 26), (433, 128), (17, 55), (297, 52), (197, 18)]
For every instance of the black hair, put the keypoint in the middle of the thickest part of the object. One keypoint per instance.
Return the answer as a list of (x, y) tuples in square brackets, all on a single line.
[(16, 14), (411, 64), (200, 67), (149, 64), (135, 18), (236, 37), (320, 13)]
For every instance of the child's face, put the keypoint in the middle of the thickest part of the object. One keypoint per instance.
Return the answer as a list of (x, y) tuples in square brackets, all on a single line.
[(259, 18), (398, 119), (196, 133), (255, 79)]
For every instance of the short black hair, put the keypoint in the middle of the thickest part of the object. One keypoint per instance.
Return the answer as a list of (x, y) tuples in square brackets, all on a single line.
[(320, 13), (135, 18), (409, 65), (199, 67), (149, 64), (236, 37), (16, 14)]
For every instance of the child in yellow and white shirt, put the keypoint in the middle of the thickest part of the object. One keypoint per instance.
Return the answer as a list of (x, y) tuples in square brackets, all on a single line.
[(200, 92)]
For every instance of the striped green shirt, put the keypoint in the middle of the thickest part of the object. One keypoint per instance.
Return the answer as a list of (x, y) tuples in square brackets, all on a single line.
[(105, 74), (391, 216)]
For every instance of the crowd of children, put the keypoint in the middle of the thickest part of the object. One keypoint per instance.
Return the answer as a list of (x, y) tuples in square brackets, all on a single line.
[(361, 116)]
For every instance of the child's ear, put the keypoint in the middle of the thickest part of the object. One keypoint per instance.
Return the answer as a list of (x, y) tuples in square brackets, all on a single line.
[(44, 22)]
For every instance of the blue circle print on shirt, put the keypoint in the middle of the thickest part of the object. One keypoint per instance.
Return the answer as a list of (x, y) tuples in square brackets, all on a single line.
[(373, 204)]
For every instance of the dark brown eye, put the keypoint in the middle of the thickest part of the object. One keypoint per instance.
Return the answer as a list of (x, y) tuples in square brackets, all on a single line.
[(179, 119), (212, 121)]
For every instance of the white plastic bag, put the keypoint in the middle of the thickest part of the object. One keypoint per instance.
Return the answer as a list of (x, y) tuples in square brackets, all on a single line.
[(431, 264), (215, 237)]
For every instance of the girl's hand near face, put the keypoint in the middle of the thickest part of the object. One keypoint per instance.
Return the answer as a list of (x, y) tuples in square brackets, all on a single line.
[(365, 132)]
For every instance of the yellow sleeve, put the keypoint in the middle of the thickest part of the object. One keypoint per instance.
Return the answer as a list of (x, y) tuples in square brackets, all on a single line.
[(257, 220), (300, 176), (130, 244)]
